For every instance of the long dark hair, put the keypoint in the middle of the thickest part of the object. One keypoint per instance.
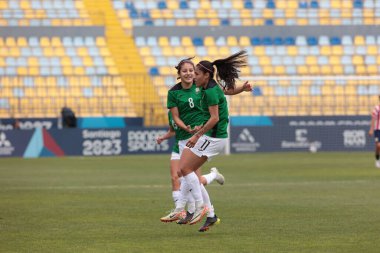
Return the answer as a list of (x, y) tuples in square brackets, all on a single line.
[(227, 68), (183, 61)]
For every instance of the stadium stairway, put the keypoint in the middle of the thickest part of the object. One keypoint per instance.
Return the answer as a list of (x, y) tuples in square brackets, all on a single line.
[(127, 59)]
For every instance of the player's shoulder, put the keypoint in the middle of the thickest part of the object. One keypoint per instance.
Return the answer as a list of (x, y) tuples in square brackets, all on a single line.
[(176, 87), (211, 84)]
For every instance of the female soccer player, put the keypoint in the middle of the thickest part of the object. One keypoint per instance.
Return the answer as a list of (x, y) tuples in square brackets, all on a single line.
[(211, 138), (176, 176), (375, 130)]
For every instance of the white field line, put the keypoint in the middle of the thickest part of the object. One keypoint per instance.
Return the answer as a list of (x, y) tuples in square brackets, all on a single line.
[(137, 186)]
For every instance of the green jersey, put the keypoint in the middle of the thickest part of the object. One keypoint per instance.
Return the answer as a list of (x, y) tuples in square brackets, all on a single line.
[(173, 125), (213, 95), (188, 103)]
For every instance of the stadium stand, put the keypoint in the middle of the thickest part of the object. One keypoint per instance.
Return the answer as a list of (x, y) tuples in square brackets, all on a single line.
[(315, 67)]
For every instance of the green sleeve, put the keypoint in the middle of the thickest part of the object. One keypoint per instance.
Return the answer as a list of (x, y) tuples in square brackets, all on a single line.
[(212, 97), (172, 101)]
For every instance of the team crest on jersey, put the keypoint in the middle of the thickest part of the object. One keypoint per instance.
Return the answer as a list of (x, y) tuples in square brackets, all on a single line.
[(197, 90)]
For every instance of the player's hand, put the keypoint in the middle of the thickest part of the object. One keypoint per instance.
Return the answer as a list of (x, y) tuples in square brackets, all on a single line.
[(192, 141), (247, 86), (370, 132), (188, 129), (159, 140)]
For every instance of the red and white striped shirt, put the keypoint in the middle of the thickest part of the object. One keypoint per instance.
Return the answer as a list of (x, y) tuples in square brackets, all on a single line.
[(376, 116)]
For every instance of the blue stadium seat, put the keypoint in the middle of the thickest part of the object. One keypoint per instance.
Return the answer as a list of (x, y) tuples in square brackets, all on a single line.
[(289, 41), (255, 41), (183, 5), (162, 5), (267, 41), (248, 4), (358, 4), (197, 41), (314, 4), (335, 41), (271, 4), (312, 41), (154, 71), (278, 41)]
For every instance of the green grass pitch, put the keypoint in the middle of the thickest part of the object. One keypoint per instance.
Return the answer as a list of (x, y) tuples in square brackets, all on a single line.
[(279, 202)]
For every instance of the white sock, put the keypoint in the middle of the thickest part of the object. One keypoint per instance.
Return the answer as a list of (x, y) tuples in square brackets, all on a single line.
[(190, 203), (194, 188), (210, 177), (206, 200), (176, 195), (183, 194)]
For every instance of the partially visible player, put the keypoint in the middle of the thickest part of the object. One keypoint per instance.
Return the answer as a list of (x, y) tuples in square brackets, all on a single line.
[(375, 130), (176, 176)]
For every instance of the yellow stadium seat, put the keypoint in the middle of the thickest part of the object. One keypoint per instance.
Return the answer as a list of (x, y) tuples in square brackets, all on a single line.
[(2, 43), (359, 40), (45, 42), (172, 4), (338, 70), (232, 41), (33, 61), (179, 51), (244, 41), (186, 41), (311, 60), (213, 51), (100, 41), (259, 50), (108, 61), (357, 60), (34, 71), (372, 49), (326, 70), (372, 69), (2, 62), (163, 41), (10, 42), (59, 51), (167, 51), (361, 70), (325, 50), (214, 22), (66, 61), (145, 51), (48, 51), (22, 42), (209, 41), (314, 70), (264, 61), (292, 50), (224, 51), (87, 61), (337, 50), (334, 60), (281, 4), (104, 51), (82, 51), (302, 70), (14, 51)]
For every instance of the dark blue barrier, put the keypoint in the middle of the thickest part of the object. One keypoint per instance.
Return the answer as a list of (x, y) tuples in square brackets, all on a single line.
[(274, 134), (82, 142), (85, 122), (302, 134)]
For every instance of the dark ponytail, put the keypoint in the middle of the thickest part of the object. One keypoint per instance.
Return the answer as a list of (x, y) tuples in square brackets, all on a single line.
[(227, 69)]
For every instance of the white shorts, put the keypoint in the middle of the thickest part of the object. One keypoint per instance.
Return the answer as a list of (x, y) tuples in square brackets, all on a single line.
[(175, 156), (182, 145), (208, 146)]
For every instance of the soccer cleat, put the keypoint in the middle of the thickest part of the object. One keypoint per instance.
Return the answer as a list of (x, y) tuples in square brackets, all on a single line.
[(186, 219), (377, 164), (219, 177), (198, 214), (173, 216), (210, 221)]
